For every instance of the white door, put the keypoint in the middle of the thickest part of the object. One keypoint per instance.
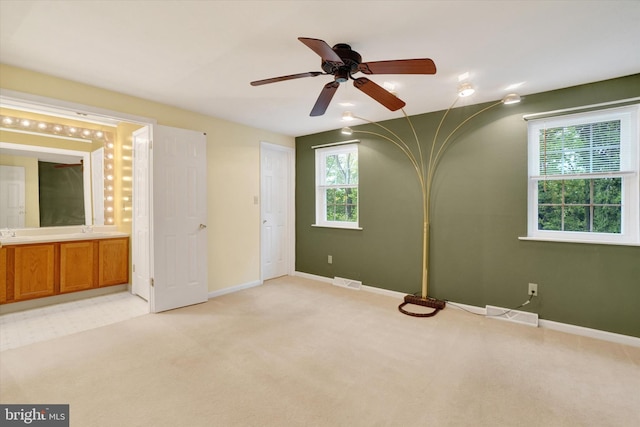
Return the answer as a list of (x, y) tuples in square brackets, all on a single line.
[(12, 197), (275, 213), (141, 245), (179, 200), (97, 185)]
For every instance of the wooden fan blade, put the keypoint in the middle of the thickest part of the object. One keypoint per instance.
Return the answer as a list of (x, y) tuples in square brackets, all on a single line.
[(323, 49), (400, 66), (324, 99), (289, 77), (379, 93)]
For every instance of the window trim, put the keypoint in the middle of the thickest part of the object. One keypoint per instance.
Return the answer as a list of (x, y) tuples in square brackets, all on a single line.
[(321, 153), (629, 117)]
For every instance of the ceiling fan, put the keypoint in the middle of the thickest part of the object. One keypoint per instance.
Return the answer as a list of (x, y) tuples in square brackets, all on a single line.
[(342, 62)]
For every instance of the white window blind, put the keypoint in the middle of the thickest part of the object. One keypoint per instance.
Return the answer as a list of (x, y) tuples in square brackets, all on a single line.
[(582, 145)]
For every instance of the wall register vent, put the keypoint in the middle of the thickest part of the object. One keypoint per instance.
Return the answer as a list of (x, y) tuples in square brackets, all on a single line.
[(347, 283)]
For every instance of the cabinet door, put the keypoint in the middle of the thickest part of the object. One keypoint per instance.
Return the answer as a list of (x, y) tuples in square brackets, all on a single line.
[(34, 271), (114, 261), (77, 266)]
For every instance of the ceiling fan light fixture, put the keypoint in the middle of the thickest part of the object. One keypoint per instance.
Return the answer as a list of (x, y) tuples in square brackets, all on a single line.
[(346, 131), (512, 98), (465, 89)]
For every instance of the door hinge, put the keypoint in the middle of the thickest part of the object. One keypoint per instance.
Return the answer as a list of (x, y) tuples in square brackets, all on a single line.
[(152, 284), (150, 144), (133, 268)]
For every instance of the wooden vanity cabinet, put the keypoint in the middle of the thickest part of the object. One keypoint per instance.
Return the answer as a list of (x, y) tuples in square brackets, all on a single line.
[(44, 269), (34, 271)]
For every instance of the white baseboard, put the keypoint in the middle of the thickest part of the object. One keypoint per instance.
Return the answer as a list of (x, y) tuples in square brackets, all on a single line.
[(591, 333), (547, 324), (233, 289), (313, 277), (387, 292)]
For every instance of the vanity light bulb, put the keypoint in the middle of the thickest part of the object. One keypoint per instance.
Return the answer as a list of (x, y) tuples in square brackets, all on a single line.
[(7, 121), (109, 209), (109, 198), (42, 126), (110, 187), (110, 156), (110, 220), (86, 132), (110, 145), (99, 134), (72, 130), (25, 123), (109, 166), (110, 177), (57, 128)]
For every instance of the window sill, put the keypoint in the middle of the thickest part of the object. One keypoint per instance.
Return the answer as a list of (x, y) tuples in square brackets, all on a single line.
[(590, 242), (336, 226)]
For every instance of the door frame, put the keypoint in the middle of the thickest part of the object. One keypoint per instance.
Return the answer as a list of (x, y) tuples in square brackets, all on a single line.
[(291, 202)]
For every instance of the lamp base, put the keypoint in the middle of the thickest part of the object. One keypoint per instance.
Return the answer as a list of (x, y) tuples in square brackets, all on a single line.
[(434, 303)]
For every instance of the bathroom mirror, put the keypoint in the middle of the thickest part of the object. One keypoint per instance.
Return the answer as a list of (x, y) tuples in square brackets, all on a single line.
[(45, 186)]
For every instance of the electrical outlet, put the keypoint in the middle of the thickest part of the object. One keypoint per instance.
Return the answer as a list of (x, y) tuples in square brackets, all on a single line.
[(329, 259), (533, 289)]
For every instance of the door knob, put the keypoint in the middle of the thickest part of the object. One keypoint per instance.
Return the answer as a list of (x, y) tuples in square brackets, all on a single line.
[(202, 226), (264, 221)]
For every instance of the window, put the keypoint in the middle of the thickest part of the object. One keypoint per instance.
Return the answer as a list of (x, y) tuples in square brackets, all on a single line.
[(583, 177), (337, 186)]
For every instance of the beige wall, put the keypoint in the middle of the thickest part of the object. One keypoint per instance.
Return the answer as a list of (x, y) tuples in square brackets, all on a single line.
[(233, 168)]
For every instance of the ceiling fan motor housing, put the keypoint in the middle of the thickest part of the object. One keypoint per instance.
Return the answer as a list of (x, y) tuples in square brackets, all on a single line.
[(350, 58)]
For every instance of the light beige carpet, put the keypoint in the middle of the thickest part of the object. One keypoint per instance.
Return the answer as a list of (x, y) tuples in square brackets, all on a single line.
[(296, 352)]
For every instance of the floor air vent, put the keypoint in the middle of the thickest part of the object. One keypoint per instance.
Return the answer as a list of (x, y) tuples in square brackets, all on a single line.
[(515, 316), (347, 283)]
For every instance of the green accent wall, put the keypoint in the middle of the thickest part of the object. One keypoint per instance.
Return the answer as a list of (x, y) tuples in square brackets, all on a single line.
[(479, 209)]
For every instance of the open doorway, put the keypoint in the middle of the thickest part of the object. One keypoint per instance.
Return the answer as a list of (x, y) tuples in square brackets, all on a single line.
[(42, 126), (175, 200)]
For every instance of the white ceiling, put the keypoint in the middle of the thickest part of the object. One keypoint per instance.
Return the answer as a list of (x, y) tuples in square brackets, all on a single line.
[(201, 55)]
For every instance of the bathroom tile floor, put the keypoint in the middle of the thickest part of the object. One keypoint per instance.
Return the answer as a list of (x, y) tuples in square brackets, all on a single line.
[(40, 324)]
